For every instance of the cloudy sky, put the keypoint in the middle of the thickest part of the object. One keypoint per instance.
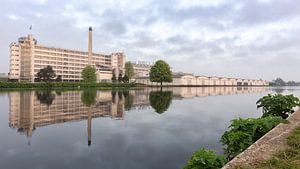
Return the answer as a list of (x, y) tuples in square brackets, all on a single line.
[(248, 39)]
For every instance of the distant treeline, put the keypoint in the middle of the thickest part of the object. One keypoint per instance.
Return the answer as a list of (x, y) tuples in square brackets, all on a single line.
[(281, 82), (42, 85)]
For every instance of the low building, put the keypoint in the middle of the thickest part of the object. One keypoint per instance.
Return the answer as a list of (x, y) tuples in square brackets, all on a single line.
[(184, 79)]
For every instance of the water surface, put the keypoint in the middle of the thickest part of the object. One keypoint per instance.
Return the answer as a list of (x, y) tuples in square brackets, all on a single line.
[(134, 129)]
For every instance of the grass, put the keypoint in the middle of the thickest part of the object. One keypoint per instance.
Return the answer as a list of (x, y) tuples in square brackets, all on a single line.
[(287, 159)]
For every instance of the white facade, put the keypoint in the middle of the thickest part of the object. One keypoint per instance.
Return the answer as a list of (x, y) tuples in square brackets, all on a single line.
[(190, 80), (27, 58)]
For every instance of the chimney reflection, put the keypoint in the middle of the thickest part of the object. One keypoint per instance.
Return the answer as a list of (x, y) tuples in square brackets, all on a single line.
[(30, 110)]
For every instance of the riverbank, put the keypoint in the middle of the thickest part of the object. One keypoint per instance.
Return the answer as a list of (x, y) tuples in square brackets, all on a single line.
[(63, 85), (268, 146)]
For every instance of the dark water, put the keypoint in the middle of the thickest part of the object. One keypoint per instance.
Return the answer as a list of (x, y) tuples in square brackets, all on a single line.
[(137, 129)]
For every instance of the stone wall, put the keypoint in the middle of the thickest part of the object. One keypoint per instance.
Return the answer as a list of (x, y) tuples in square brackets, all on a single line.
[(264, 148)]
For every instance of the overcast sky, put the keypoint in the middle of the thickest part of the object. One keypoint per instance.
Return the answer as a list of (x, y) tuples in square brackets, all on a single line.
[(247, 39)]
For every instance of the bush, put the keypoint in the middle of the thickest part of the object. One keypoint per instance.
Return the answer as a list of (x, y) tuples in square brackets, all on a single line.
[(278, 105), (244, 132), (205, 159)]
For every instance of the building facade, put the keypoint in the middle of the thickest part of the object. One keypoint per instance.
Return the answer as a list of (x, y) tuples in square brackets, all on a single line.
[(141, 69), (27, 57), (184, 79)]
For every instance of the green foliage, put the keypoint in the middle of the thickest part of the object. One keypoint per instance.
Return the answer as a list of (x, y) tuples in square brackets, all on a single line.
[(278, 82), (160, 72), (120, 78), (129, 71), (125, 79), (160, 100), (114, 78), (88, 97), (58, 78), (244, 132), (45, 97), (278, 104), (89, 74), (205, 159), (45, 75)]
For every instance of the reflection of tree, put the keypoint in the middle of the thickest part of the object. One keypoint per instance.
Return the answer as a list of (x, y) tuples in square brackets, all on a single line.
[(45, 97), (278, 90), (113, 95), (160, 100), (88, 97), (128, 100)]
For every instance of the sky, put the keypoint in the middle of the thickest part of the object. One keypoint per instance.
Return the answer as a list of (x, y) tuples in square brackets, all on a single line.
[(255, 39)]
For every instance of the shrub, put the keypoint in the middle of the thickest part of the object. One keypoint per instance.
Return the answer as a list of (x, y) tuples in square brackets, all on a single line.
[(244, 132), (278, 105), (205, 159)]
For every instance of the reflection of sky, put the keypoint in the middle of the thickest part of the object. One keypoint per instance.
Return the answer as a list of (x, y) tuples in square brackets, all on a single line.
[(144, 139)]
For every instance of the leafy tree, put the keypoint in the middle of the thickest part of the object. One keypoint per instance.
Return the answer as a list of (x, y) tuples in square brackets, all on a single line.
[(291, 83), (88, 97), (120, 78), (45, 97), (129, 71), (205, 159), (278, 104), (160, 100), (58, 78), (279, 82), (244, 132), (46, 74), (113, 78), (160, 72), (125, 79), (89, 74)]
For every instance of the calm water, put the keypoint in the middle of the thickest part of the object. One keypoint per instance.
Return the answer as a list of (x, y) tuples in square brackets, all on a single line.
[(137, 129)]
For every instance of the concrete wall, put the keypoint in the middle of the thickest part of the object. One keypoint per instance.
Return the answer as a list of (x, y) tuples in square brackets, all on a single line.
[(190, 80)]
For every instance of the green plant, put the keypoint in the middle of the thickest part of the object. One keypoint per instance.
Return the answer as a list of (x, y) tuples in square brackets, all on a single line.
[(160, 72), (205, 159), (244, 132), (129, 70), (46, 74), (278, 104), (89, 74)]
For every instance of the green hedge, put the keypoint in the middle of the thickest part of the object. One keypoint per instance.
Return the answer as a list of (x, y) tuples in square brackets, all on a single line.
[(40, 85)]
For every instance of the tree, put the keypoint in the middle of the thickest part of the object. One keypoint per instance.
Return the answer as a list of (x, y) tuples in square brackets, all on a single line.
[(46, 74), (89, 74), (279, 82), (160, 72), (129, 71), (120, 78), (113, 78), (125, 79), (160, 100), (58, 78)]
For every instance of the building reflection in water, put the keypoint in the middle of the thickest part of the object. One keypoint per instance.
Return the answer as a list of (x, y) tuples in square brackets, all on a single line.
[(33, 109)]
